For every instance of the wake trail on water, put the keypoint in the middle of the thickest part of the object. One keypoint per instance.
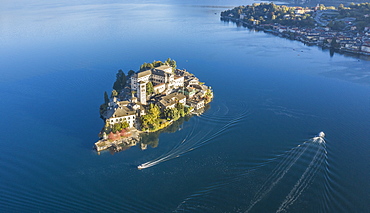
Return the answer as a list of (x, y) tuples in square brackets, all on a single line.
[(309, 155), (279, 172), (202, 132), (306, 177), (290, 159)]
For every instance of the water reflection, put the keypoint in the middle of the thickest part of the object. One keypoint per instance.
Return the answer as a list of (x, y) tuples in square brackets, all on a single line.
[(151, 139), (205, 129)]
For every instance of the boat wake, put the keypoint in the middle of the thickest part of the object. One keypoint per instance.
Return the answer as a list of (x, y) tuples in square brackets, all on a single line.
[(315, 145), (205, 129), (303, 162)]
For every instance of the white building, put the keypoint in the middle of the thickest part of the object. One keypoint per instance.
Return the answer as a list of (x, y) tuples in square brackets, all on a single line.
[(143, 76), (162, 78), (123, 114), (365, 48), (178, 81), (120, 111), (141, 92), (197, 104), (159, 88), (170, 101)]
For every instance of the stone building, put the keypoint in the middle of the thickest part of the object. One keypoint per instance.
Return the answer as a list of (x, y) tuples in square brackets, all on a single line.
[(162, 78)]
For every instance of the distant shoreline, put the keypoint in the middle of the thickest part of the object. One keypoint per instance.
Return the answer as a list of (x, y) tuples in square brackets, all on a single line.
[(345, 30), (307, 42)]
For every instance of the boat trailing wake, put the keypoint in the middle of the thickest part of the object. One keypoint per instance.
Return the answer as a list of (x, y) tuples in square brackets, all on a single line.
[(308, 157), (204, 130), (318, 145)]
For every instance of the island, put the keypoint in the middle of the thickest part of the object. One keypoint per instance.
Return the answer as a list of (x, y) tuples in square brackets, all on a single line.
[(148, 100), (344, 29)]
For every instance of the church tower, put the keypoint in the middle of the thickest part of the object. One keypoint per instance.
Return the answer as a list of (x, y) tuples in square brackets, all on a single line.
[(142, 92)]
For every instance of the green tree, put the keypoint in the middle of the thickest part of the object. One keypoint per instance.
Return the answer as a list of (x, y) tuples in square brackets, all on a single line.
[(334, 44), (130, 73), (187, 110), (114, 93), (106, 98), (173, 114), (181, 109), (120, 82), (150, 121), (149, 88), (171, 63), (116, 127), (119, 126), (146, 66), (154, 110), (124, 125), (157, 63)]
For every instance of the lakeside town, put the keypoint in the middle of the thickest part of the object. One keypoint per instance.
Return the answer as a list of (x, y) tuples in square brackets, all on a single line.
[(149, 100), (343, 29)]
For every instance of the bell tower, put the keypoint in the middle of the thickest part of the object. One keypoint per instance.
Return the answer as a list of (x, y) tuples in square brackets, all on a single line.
[(142, 92)]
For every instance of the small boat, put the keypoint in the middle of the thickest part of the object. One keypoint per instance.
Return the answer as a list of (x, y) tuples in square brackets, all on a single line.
[(140, 167), (319, 138), (321, 134)]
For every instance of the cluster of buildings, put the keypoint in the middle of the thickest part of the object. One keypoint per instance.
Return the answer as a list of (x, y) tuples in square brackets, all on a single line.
[(169, 88), (348, 40)]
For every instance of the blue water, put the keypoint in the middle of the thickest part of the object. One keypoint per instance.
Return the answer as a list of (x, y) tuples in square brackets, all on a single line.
[(249, 151)]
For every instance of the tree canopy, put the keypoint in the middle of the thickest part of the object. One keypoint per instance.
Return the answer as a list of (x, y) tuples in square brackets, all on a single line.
[(149, 88), (120, 82), (106, 98), (114, 93), (117, 127), (155, 117), (151, 119), (268, 13), (169, 62), (130, 73)]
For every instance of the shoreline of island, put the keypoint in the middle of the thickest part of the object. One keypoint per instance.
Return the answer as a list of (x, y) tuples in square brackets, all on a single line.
[(327, 27), (149, 100)]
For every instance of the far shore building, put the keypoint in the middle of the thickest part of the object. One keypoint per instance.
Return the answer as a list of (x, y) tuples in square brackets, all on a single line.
[(366, 48)]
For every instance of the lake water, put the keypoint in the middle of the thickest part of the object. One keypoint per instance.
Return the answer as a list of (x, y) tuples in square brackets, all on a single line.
[(251, 151)]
